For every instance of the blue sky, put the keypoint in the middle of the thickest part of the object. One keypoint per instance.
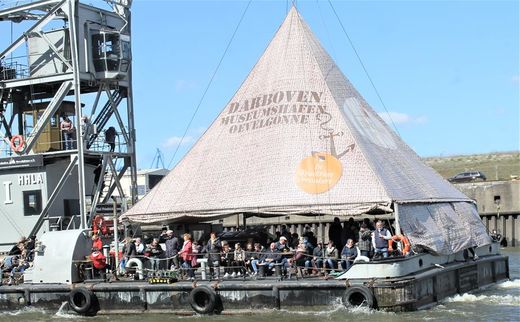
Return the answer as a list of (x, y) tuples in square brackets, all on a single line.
[(447, 71)]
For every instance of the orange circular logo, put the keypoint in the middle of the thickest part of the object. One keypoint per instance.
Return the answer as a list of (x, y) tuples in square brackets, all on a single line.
[(318, 173)]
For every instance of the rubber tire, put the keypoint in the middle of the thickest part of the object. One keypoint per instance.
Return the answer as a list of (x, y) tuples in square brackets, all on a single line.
[(87, 295), (358, 296), (203, 299)]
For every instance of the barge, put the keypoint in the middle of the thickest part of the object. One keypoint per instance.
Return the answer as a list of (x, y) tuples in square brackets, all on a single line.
[(296, 139), (404, 284)]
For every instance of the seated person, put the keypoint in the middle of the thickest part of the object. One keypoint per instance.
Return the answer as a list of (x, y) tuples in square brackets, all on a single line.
[(99, 262), (308, 244), (301, 255), (9, 263), (286, 252), (348, 255), (316, 262), (226, 259), (139, 247), (270, 257), (282, 246), (249, 254), (238, 261), (22, 265), (330, 257), (256, 256)]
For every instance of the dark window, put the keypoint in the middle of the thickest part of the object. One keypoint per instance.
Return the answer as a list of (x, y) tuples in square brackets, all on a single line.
[(32, 202), (106, 52)]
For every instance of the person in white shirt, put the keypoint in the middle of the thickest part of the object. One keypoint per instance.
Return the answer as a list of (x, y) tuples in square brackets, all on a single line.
[(380, 238)]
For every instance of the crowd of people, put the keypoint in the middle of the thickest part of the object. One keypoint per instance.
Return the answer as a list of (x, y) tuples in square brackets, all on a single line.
[(284, 253), (19, 259)]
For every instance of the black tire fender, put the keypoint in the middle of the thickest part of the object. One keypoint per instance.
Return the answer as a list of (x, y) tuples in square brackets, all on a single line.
[(356, 296), (81, 300), (203, 299)]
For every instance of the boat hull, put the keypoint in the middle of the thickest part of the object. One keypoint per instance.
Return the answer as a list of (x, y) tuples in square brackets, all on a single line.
[(407, 293)]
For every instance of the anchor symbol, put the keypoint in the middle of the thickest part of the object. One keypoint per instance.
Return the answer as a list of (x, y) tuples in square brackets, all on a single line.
[(331, 135)]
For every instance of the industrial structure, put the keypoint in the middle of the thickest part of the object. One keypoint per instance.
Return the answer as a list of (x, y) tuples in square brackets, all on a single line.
[(66, 115)]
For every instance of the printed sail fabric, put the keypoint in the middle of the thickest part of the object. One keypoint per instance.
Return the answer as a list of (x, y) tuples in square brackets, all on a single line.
[(443, 228), (296, 138)]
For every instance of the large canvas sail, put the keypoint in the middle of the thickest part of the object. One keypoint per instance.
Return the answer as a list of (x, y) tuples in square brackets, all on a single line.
[(297, 138)]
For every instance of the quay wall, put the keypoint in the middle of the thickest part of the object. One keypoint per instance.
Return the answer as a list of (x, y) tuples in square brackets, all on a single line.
[(498, 203)]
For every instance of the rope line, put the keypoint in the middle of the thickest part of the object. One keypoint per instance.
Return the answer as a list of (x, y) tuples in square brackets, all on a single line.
[(363, 66), (210, 82)]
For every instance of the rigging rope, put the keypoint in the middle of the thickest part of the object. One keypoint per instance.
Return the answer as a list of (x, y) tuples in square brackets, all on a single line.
[(153, 192), (323, 22), (209, 84), (363, 66)]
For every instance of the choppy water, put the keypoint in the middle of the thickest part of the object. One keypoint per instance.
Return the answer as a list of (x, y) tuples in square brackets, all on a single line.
[(497, 303)]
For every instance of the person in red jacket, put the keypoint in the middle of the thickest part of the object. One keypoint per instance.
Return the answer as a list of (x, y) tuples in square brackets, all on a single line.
[(186, 255), (99, 262), (96, 242)]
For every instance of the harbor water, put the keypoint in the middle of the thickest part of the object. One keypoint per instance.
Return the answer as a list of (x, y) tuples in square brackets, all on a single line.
[(496, 303)]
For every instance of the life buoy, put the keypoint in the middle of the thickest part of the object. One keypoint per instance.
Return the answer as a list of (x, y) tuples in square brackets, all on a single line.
[(203, 299), (137, 264), (17, 143), (400, 238), (361, 259), (356, 296), (82, 301)]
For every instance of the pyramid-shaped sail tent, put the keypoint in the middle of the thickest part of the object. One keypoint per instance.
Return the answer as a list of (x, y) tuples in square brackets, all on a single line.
[(297, 138)]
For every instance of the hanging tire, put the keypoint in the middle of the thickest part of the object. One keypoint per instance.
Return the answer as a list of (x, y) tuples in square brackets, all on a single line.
[(356, 296), (82, 300), (203, 299)]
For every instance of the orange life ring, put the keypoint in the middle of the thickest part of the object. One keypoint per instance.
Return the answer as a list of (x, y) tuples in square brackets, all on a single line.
[(400, 238), (17, 143)]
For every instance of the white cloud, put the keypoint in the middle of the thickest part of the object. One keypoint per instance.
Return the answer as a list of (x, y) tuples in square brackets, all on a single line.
[(183, 85), (401, 118), (174, 141)]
